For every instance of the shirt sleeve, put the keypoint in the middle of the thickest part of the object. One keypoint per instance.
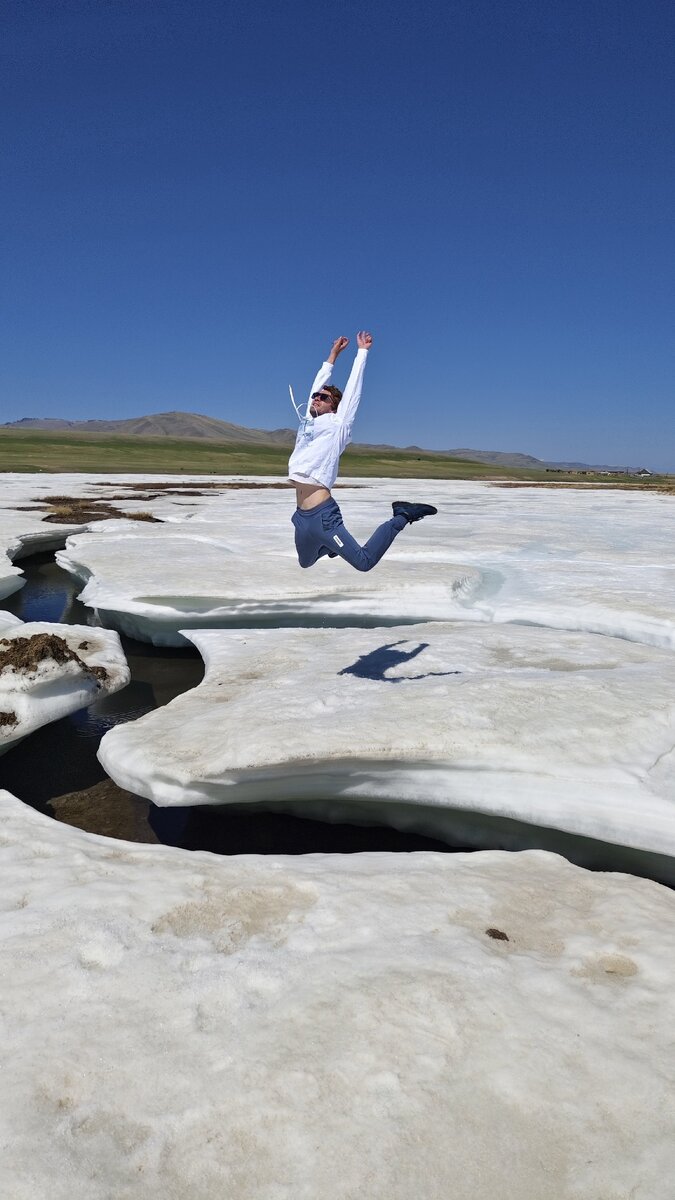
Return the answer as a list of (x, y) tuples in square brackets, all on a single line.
[(352, 393), (322, 377)]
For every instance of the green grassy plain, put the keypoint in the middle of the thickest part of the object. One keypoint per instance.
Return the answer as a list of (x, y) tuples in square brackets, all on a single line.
[(42, 450)]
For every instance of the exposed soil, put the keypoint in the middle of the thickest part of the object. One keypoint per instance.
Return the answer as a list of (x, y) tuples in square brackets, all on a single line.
[(64, 501), (108, 810), (175, 489), (146, 496), (592, 485), (8, 718), (26, 654), (77, 510)]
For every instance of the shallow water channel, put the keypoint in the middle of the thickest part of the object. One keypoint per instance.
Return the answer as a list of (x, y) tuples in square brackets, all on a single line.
[(59, 760)]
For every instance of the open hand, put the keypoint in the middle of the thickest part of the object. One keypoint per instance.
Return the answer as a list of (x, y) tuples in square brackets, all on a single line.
[(364, 340)]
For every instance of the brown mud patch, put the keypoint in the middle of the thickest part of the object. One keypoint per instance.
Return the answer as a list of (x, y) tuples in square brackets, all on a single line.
[(175, 489), (146, 496), (108, 810), (592, 485), (26, 654), (8, 718), (78, 510)]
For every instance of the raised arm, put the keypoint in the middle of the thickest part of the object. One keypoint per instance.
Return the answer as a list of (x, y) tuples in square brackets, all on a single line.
[(338, 346), (352, 393), (326, 369)]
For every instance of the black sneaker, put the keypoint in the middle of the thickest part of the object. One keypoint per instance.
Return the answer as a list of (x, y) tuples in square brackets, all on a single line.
[(412, 512)]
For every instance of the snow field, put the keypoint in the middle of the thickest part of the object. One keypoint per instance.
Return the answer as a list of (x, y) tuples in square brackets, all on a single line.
[(180, 1024), (484, 1026)]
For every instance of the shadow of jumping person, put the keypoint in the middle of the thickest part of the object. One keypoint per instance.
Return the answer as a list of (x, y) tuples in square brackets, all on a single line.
[(375, 664)]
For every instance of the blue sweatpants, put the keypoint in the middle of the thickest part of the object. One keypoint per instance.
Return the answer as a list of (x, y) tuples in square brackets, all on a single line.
[(320, 531)]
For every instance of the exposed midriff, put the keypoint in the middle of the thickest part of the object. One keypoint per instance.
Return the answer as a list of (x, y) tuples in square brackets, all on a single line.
[(310, 495)]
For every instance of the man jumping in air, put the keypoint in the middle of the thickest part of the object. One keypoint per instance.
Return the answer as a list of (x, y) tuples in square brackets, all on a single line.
[(313, 467)]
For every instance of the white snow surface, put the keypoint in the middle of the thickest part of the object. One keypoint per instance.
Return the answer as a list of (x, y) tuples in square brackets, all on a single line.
[(565, 730), (23, 529), (23, 533), (52, 689), (7, 620), (183, 581), (182, 1025), (594, 561), (275, 1028), (555, 605)]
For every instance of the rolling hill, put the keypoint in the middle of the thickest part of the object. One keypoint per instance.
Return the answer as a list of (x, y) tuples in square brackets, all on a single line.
[(196, 425)]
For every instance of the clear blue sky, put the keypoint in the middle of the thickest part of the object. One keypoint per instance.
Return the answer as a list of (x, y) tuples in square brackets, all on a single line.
[(196, 197)]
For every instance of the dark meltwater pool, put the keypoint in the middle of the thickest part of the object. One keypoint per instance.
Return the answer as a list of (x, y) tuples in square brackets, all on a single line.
[(56, 769)]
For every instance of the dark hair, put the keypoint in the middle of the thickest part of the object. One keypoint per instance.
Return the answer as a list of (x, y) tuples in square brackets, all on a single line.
[(335, 393)]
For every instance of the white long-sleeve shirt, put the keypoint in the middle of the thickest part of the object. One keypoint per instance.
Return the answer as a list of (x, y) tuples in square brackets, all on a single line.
[(321, 440)]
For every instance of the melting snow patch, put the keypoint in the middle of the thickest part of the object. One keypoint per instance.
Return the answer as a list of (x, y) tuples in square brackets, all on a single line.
[(587, 561), (185, 1025), (129, 585), (570, 731), (48, 671)]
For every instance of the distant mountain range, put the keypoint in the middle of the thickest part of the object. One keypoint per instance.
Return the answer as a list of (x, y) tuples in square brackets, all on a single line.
[(194, 425), (169, 424)]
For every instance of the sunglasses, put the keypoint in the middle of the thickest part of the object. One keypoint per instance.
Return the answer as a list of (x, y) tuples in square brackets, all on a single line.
[(322, 396)]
